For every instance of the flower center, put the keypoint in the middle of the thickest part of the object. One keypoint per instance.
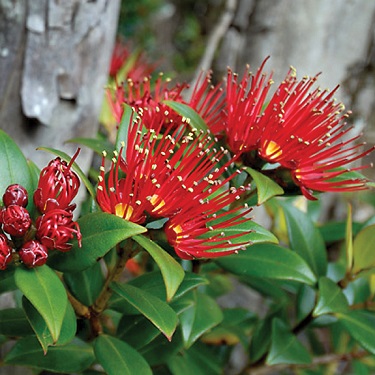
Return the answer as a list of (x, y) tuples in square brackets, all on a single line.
[(273, 150), (124, 210), (157, 202)]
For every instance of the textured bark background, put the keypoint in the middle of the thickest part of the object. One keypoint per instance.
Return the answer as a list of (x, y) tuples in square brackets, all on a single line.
[(54, 59)]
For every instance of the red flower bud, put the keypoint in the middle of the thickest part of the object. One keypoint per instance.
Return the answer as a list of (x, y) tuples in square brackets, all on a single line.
[(5, 252), (15, 194), (58, 185), (16, 220), (33, 254), (56, 228)]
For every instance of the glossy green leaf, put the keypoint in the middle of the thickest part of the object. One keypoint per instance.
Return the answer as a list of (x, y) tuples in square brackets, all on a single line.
[(266, 188), (71, 358), (195, 361), (270, 261), (363, 249), (266, 287), (154, 309), (136, 330), (331, 299), (172, 272), (86, 285), (248, 231), (13, 322), (100, 232), (7, 283), (199, 318), (68, 329), (361, 326), (95, 144), (117, 357), (42, 287), (195, 120), (159, 351), (123, 130), (13, 165), (285, 347), (305, 239), (75, 167)]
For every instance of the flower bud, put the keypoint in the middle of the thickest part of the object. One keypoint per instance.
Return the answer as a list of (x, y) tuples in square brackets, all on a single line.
[(5, 252), (16, 220), (58, 185), (56, 228), (33, 254), (15, 194)]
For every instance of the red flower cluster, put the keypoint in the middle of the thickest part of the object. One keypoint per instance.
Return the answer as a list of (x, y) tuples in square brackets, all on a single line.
[(57, 187), (300, 129), (174, 175)]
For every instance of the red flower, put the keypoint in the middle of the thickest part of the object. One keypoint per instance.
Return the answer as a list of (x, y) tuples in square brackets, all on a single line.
[(137, 66), (198, 231), (147, 100), (303, 130), (15, 194), (16, 220), (33, 254), (209, 102), (5, 252), (58, 185), (56, 228)]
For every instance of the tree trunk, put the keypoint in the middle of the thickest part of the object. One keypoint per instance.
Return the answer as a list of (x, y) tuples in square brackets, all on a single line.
[(54, 58)]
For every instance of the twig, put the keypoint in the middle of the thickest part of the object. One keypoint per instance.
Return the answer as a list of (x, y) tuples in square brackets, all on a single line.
[(214, 39)]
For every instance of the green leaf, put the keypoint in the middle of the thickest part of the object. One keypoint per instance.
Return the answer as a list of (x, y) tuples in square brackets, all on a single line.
[(117, 357), (285, 347), (87, 284), (154, 309), (136, 330), (246, 231), (68, 329), (199, 318), (75, 167), (42, 287), (186, 111), (269, 261), (97, 145), (100, 232), (172, 272), (363, 249), (13, 166), (158, 351), (70, 358), (361, 326), (197, 361), (305, 239), (266, 187), (331, 298), (13, 322), (123, 130)]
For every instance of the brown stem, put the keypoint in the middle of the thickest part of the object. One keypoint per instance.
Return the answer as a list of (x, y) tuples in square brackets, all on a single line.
[(123, 255), (80, 309)]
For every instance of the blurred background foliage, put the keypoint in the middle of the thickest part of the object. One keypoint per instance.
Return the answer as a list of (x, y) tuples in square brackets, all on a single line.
[(171, 32)]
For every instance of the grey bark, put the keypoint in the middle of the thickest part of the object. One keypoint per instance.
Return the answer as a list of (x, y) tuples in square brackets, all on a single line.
[(54, 59)]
